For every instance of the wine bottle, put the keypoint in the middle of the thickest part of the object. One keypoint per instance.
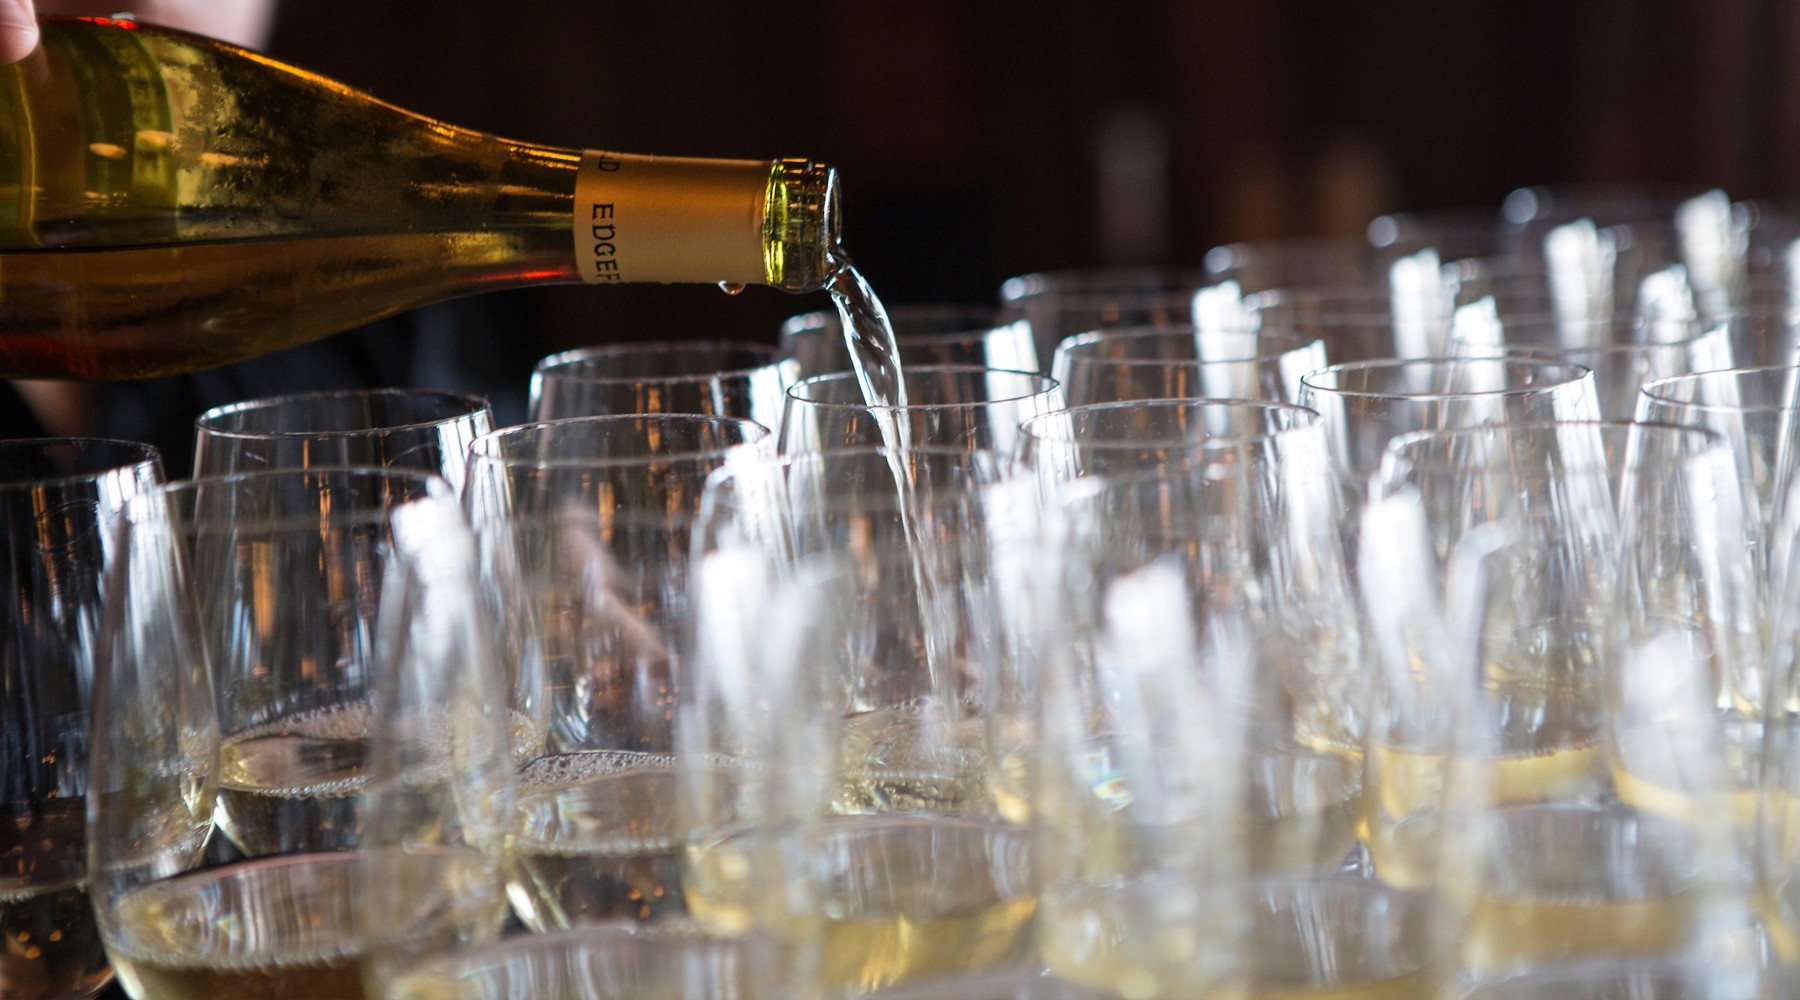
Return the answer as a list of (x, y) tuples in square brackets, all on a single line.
[(169, 202)]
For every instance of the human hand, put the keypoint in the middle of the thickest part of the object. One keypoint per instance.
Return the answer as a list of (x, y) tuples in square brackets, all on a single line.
[(241, 22)]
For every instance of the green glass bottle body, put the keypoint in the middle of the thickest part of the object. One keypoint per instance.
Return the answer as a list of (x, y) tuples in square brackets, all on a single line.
[(170, 203)]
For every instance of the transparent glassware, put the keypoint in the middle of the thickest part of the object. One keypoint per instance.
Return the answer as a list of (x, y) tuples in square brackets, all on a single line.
[(1200, 672), (1176, 361), (924, 867), (717, 378), (424, 429), (987, 336), (585, 530), (353, 737), (60, 499), (1103, 439), (952, 406), (1546, 744)]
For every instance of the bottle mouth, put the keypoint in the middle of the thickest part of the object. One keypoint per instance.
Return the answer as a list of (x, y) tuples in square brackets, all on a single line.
[(801, 224)]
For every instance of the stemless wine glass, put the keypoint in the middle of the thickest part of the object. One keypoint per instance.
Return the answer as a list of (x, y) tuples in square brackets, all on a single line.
[(285, 643), (584, 527), (959, 406), (988, 336), (1561, 608), (923, 867), (423, 429), (59, 500), (718, 378), (1171, 362)]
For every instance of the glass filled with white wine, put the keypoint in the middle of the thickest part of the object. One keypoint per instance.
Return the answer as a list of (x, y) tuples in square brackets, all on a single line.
[(719, 378), (59, 500), (585, 530), (924, 865), (424, 429), (297, 656), (1563, 627)]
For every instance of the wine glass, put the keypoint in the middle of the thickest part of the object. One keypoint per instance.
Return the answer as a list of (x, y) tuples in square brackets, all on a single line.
[(59, 501), (718, 378), (297, 655), (988, 336), (423, 429), (1545, 747), (957, 406), (584, 529), (1170, 362), (922, 869)]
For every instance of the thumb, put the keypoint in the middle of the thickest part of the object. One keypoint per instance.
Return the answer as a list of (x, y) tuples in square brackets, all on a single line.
[(18, 30)]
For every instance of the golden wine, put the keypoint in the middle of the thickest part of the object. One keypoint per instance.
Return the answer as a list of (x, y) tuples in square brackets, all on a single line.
[(1304, 809), (170, 202), (281, 928), (1559, 883), (1549, 751), (903, 759), (597, 839), (1659, 771), (914, 895), (294, 784), (1158, 937), (49, 946)]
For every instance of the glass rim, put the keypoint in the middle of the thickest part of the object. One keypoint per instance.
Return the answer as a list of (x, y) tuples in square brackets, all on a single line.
[(482, 448), (1306, 381), (1662, 428), (148, 455), (204, 423), (1308, 419), (1652, 389), (1075, 341), (1046, 383), (434, 487), (547, 366)]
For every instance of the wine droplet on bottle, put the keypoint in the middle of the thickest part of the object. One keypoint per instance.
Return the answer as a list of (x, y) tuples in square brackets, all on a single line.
[(731, 287)]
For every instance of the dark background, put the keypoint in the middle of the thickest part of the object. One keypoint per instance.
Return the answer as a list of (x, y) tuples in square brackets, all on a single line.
[(970, 133), (980, 139)]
